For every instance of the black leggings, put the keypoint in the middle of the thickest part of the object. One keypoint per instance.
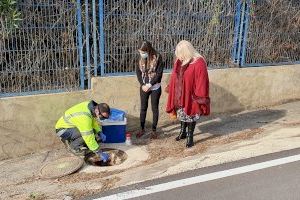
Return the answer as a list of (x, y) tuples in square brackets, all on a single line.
[(155, 95)]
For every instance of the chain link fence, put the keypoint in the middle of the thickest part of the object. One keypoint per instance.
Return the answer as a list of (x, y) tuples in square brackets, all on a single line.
[(41, 53), (273, 36), (208, 24), (60, 44)]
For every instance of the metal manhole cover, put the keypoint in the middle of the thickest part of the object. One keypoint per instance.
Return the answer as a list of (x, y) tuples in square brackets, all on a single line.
[(61, 167)]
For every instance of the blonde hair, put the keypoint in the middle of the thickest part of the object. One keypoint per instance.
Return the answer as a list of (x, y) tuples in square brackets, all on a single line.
[(185, 52)]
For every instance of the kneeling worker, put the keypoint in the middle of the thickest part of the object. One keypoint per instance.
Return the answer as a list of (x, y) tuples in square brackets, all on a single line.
[(78, 128)]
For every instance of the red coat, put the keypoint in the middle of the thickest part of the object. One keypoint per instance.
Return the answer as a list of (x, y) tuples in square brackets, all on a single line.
[(189, 88)]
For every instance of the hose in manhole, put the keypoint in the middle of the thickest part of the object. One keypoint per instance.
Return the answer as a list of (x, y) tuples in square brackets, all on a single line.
[(117, 157)]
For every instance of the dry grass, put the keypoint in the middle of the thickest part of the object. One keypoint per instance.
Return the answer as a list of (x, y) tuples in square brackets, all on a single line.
[(106, 185), (168, 147), (83, 177)]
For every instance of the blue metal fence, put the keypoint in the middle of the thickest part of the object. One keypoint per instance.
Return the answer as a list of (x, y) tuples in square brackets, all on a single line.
[(41, 55), (272, 34), (61, 44)]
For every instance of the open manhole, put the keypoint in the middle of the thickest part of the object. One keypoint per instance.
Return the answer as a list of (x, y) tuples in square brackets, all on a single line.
[(117, 157)]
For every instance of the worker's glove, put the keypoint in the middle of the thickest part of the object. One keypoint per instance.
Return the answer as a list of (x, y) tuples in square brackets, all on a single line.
[(97, 137), (103, 156), (102, 136)]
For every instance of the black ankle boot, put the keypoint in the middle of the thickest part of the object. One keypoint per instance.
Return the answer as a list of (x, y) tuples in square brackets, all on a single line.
[(190, 134), (182, 134)]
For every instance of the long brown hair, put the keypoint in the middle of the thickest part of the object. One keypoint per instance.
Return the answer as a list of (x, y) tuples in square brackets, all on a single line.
[(146, 46)]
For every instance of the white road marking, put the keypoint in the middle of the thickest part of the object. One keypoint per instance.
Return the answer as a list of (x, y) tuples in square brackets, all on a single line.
[(199, 179)]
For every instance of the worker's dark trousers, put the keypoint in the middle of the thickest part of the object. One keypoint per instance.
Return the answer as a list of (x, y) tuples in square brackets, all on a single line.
[(155, 95), (74, 137)]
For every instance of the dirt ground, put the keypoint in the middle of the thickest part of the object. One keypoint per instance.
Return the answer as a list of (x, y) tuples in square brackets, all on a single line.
[(218, 139)]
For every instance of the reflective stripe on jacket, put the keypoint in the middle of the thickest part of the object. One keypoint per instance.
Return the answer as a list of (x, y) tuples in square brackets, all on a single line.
[(80, 116)]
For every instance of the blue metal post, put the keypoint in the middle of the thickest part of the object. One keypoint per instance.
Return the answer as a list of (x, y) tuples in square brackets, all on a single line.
[(80, 45), (87, 42), (241, 33), (245, 32), (101, 39), (95, 39), (237, 23)]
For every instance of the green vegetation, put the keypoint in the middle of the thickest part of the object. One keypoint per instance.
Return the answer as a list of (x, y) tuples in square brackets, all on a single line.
[(9, 15)]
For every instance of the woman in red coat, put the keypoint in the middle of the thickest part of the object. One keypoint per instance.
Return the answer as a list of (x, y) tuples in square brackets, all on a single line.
[(188, 90)]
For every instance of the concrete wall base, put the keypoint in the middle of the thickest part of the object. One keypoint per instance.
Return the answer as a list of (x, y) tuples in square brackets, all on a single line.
[(27, 123)]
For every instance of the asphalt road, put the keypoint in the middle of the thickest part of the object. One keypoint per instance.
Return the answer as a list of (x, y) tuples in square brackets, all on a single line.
[(269, 177)]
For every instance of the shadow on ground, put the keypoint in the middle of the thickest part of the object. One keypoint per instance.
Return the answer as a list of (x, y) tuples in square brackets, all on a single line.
[(226, 124), (238, 122), (218, 124)]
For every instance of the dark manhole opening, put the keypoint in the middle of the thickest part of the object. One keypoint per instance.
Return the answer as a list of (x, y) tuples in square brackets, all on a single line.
[(117, 157)]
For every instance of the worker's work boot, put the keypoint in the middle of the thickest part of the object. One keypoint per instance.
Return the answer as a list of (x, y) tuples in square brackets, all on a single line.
[(190, 134), (66, 143), (81, 151), (182, 134)]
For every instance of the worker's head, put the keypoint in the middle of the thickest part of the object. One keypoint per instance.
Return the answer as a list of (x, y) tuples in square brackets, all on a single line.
[(102, 111)]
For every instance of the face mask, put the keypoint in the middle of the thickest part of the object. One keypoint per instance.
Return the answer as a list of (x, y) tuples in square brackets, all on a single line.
[(144, 55), (101, 117)]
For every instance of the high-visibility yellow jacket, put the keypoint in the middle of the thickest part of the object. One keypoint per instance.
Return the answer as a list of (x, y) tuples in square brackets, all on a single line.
[(81, 117)]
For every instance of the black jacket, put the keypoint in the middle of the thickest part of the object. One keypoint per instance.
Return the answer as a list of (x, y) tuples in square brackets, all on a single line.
[(158, 73)]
